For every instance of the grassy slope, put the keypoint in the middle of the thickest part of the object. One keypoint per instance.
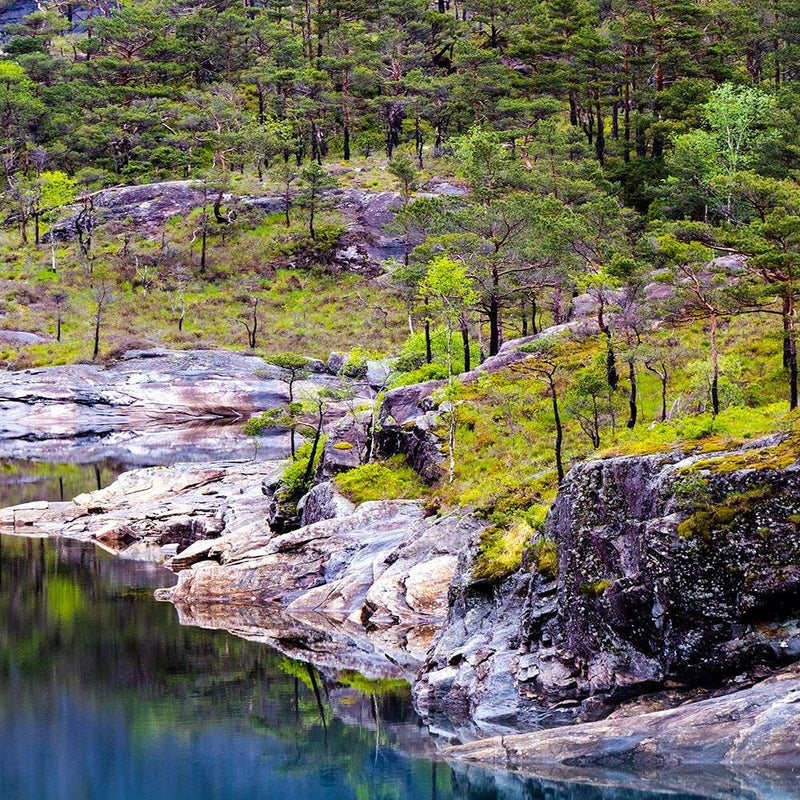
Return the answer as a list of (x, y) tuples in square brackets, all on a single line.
[(504, 458), (505, 466), (306, 311)]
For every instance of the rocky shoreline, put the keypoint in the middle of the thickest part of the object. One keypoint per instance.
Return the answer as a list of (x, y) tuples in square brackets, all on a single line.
[(757, 727), (667, 633)]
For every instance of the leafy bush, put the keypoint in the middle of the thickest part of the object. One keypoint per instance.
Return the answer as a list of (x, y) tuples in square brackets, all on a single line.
[(258, 424), (393, 479), (293, 483), (427, 372), (356, 364)]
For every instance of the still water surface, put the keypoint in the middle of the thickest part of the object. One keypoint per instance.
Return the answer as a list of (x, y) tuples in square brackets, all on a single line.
[(103, 695)]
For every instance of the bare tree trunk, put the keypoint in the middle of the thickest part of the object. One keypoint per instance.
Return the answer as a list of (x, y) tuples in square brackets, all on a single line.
[(559, 432), (494, 326), (714, 367), (632, 405), (428, 347), (792, 354), (786, 324), (314, 447), (96, 350), (663, 377)]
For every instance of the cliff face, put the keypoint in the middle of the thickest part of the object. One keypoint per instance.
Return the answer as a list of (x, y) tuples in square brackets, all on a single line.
[(675, 574)]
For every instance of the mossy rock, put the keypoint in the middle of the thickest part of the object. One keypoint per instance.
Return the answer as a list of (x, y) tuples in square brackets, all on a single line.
[(545, 557), (722, 516), (774, 457), (595, 588)]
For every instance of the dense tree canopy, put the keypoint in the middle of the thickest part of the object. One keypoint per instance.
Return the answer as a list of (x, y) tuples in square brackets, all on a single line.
[(157, 88)]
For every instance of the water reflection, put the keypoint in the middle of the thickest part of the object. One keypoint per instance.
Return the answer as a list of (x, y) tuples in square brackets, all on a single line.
[(158, 444), (24, 480), (104, 695)]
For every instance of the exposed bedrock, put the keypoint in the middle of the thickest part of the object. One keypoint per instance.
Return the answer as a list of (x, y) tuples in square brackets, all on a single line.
[(368, 585), (145, 208), (676, 576), (154, 513), (754, 727)]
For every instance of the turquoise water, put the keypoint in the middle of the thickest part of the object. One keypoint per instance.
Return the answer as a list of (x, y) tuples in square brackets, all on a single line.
[(104, 696)]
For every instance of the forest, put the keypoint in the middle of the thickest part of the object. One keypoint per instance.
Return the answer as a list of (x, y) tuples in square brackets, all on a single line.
[(621, 173)]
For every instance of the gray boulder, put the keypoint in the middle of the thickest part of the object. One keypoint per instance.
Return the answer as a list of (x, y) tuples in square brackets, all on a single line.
[(323, 502), (407, 424)]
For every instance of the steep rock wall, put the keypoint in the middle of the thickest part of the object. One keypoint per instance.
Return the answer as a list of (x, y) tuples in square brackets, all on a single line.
[(675, 574)]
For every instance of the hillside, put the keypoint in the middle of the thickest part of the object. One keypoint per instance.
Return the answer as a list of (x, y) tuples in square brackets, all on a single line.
[(514, 291)]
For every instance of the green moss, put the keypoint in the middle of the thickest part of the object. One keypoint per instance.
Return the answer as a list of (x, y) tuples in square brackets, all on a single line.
[(545, 557), (343, 446), (500, 551), (392, 479), (721, 516), (778, 456), (595, 588)]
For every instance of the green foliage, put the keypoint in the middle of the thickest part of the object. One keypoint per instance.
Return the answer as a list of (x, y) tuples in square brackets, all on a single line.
[(500, 551), (403, 170), (293, 479), (274, 418), (292, 363), (392, 479), (776, 457), (356, 364)]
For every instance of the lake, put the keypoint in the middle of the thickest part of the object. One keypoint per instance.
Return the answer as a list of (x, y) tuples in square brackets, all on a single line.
[(104, 695)]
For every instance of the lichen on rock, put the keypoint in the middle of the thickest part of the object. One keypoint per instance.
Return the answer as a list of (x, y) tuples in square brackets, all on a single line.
[(657, 588)]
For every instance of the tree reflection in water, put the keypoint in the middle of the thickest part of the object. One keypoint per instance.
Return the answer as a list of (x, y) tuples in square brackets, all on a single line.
[(104, 695)]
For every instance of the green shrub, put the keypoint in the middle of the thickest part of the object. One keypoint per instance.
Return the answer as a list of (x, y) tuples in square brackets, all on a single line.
[(258, 424), (427, 372), (393, 479), (292, 481), (356, 364)]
